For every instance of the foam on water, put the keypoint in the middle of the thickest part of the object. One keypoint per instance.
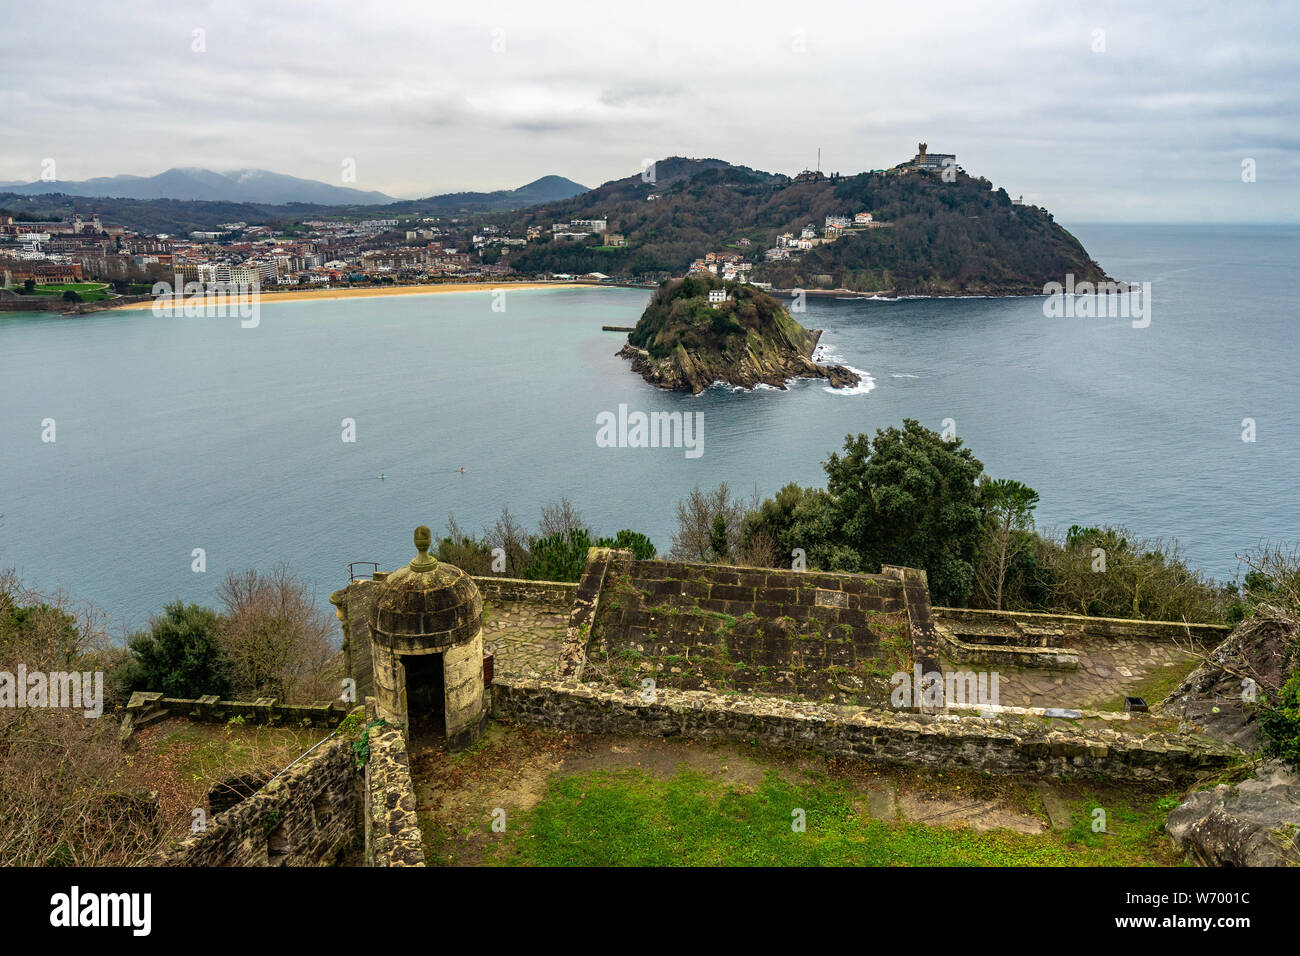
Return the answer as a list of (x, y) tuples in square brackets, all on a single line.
[(866, 384)]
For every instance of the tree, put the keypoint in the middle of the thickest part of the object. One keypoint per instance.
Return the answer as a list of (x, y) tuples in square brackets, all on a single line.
[(910, 497), (180, 654), (642, 547), (509, 535), (559, 557), (718, 545), (29, 286), (472, 555), (796, 519), (560, 518), (697, 524), (274, 637), (1009, 507)]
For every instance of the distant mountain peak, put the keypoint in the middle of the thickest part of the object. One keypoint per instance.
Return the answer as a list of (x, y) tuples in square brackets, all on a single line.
[(197, 183)]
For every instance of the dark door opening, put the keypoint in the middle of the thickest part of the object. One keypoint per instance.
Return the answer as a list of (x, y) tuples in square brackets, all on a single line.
[(426, 701)]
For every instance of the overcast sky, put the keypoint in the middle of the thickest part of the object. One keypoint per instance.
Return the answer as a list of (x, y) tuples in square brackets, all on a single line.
[(429, 97)]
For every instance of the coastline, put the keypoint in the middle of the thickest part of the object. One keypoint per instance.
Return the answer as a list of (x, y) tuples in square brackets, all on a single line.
[(301, 295)]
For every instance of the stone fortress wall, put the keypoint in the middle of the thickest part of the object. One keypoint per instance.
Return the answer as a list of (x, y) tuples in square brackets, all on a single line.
[(703, 627), (800, 636), (306, 816), (1117, 745), (314, 811)]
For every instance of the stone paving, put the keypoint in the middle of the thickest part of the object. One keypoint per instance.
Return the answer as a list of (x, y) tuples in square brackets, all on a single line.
[(525, 638), (1108, 669)]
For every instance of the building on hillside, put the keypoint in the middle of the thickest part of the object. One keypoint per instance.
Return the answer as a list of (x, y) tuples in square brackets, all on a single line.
[(932, 161)]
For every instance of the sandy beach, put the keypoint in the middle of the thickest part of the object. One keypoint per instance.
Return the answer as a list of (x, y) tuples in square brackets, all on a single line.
[(297, 295)]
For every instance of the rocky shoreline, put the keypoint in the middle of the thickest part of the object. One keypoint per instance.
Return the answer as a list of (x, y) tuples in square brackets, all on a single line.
[(682, 372)]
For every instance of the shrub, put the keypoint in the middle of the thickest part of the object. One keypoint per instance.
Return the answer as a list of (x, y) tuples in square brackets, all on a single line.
[(628, 540), (275, 639), (1279, 722), (559, 557), (180, 654)]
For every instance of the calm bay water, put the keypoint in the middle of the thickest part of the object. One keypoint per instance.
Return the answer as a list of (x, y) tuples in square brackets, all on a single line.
[(176, 434)]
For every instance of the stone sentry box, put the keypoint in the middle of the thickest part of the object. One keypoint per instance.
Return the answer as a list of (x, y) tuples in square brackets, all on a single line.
[(427, 650)]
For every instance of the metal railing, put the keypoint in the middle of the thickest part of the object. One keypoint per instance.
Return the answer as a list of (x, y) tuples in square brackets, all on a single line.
[(352, 574)]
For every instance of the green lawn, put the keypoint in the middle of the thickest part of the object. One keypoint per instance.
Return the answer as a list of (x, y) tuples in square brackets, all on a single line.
[(89, 291), (627, 818)]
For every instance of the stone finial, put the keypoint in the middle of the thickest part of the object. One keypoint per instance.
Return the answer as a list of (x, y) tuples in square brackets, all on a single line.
[(423, 561)]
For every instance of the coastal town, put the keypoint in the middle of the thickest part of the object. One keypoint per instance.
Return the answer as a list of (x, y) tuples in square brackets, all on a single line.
[(80, 254), (331, 253)]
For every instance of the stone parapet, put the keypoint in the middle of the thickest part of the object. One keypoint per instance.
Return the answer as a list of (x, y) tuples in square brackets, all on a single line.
[(305, 816), (392, 832), (1005, 744), (557, 595)]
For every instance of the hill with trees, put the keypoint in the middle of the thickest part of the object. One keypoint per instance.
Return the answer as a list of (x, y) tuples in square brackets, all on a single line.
[(938, 237), (698, 331)]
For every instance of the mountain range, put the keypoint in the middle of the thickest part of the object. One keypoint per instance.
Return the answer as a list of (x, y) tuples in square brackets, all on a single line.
[(264, 187)]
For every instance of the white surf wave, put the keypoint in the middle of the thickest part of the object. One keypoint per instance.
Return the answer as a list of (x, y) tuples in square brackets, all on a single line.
[(865, 384)]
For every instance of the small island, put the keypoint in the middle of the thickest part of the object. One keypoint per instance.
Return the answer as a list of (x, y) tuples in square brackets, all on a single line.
[(699, 331)]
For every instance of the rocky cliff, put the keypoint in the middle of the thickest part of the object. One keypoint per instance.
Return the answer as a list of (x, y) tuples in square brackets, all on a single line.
[(699, 331)]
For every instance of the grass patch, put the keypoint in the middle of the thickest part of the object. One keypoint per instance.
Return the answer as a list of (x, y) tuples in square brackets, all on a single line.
[(89, 291), (627, 818)]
